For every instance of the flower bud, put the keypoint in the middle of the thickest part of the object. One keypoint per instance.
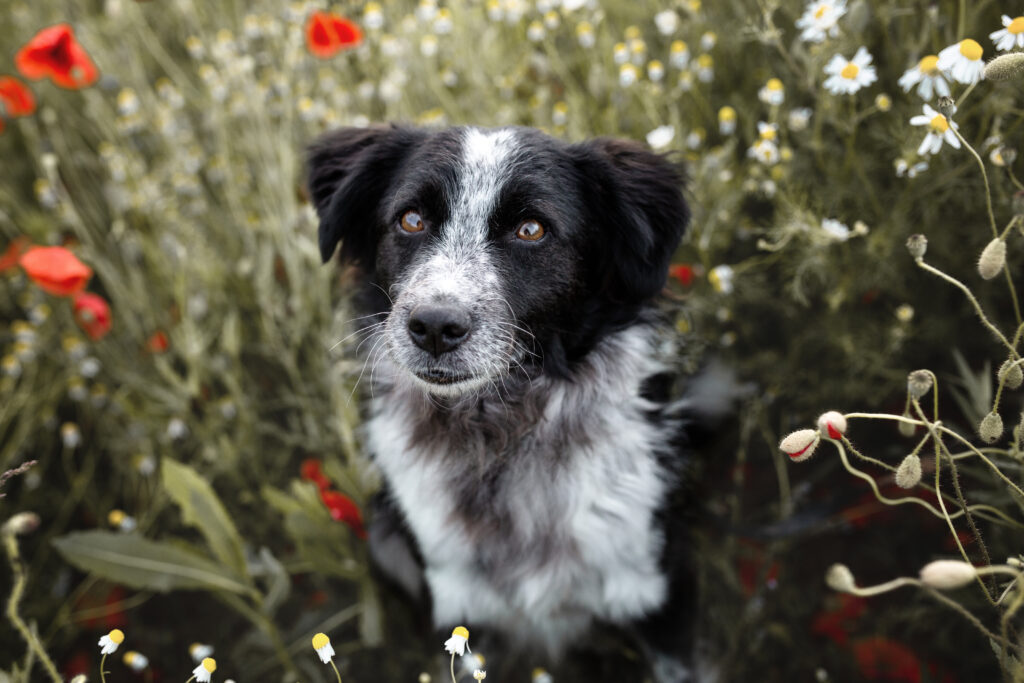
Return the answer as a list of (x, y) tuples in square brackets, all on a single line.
[(1010, 374), (800, 444), (991, 427), (840, 578), (945, 574), (992, 259), (1017, 204), (1004, 67), (832, 423), (946, 106), (918, 383), (907, 429), (21, 523), (908, 474), (917, 245)]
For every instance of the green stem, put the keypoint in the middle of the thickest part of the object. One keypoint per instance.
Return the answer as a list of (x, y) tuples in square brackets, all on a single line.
[(17, 591), (336, 673), (103, 663), (452, 668)]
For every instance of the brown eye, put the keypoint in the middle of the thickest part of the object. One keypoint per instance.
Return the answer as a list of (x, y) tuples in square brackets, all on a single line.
[(531, 231), (412, 222)]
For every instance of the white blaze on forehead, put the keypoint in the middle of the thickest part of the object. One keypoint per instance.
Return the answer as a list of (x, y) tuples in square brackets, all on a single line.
[(486, 161)]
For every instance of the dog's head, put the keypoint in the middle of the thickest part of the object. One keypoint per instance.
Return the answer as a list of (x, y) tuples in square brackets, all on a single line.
[(496, 248)]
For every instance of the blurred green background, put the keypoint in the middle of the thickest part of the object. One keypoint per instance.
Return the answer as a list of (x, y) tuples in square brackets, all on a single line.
[(218, 404)]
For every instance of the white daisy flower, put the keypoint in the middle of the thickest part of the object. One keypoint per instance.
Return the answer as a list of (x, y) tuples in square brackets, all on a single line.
[(660, 137), (679, 54), (695, 138), (726, 120), (765, 151), (773, 93), (199, 651), (655, 70), (479, 674), (799, 118), (135, 661), (459, 642), (585, 34), (472, 662), (705, 69), (927, 77), (667, 22), (108, 643), (821, 19), (849, 76), (836, 229), (205, 670), (767, 131), (939, 129), (708, 41), (1011, 36), (963, 61), (121, 521), (628, 75), (903, 169), (322, 645), (721, 278)]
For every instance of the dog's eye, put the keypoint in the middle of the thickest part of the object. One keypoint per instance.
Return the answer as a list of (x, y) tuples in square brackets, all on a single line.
[(531, 231), (412, 222)]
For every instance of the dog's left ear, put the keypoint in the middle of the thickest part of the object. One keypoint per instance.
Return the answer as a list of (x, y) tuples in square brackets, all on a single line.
[(347, 172), (636, 201)]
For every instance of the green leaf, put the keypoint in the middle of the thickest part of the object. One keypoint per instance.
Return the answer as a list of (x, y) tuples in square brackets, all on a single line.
[(202, 509), (140, 563)]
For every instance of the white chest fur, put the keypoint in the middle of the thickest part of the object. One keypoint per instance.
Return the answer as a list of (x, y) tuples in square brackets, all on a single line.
[(580, 493)]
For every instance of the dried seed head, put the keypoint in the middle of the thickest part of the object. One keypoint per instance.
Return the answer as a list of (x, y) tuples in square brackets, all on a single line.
[(991, 427), (918, 383), (832, 423), (917, 245), (840, 578), (1010, 374), (946, 574), (908, 474), (800, 444), (1005, 67), (907, 429), (992, 259), (946, 107)]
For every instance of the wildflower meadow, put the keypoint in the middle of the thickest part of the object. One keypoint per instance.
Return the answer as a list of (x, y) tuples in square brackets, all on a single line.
[(183, 490)]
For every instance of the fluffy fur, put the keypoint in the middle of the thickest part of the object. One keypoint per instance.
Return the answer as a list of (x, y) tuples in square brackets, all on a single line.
[(533, 469)]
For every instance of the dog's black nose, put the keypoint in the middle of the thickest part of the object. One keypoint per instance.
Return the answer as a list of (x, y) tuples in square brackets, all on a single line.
[(437, 329)]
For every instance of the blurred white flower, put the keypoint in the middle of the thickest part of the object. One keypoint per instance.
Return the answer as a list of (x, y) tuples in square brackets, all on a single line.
[(849, 76), (927, 77), (835, 229), (939, 129), (708, 40), (726, 120), (1011, 35), (721, 278), (799, 118), (765, 151), (660, 137), (963, 61), (772, 93), (667, 21), (679, 54), (705, 69), (821, 19)]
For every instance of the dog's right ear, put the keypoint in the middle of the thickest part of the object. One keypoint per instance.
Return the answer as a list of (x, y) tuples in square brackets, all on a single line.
[(347, 172)]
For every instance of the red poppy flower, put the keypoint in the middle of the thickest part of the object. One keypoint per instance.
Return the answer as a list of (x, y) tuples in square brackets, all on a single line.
[(328, 34), (12, 253), (56, 270), (54, 53), (342, 509), (881, 659), (157, 342), (683, 273), (93, 315), (16, 98), (310, 471)]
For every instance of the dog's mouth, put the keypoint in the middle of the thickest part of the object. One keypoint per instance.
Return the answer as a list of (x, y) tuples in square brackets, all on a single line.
[(442, 377)]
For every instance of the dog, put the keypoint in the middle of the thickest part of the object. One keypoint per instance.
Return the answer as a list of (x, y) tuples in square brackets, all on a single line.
[(532, 456)]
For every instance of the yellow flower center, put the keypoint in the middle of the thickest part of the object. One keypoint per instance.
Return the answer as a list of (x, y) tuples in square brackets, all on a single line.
[(970, 49), (116, 636), (768, 134), (1016, 26), (726, 114), (820, 12), (678, 47), (320, 641), (774, 84), (705, 62), (939, 124), (461, 631), (850, 71), (929, 65), (210, 664), (115, 517)]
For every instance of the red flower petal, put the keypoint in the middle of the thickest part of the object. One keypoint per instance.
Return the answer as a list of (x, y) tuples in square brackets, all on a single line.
[(683, 273), (310, 471), (93, 315), (342, 509), (14, 250), (56, 270), (54, 53), (157, 342), (327, 34), (880, 659), (16, 98)]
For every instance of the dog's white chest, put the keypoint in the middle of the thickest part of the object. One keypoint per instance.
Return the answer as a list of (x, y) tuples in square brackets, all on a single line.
[(577, 540)]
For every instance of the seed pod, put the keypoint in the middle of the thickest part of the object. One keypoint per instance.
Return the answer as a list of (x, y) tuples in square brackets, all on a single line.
[(840, 578), (800, 444), (992, 259), (917, 245), (991, 427), (832, 423), (918, 383), (1005, 67), (908, 474), (1010, 374), (946, 574), (946, 106)]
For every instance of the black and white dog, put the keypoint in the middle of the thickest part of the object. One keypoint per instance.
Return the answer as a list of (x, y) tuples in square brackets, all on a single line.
[(533, 464)]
